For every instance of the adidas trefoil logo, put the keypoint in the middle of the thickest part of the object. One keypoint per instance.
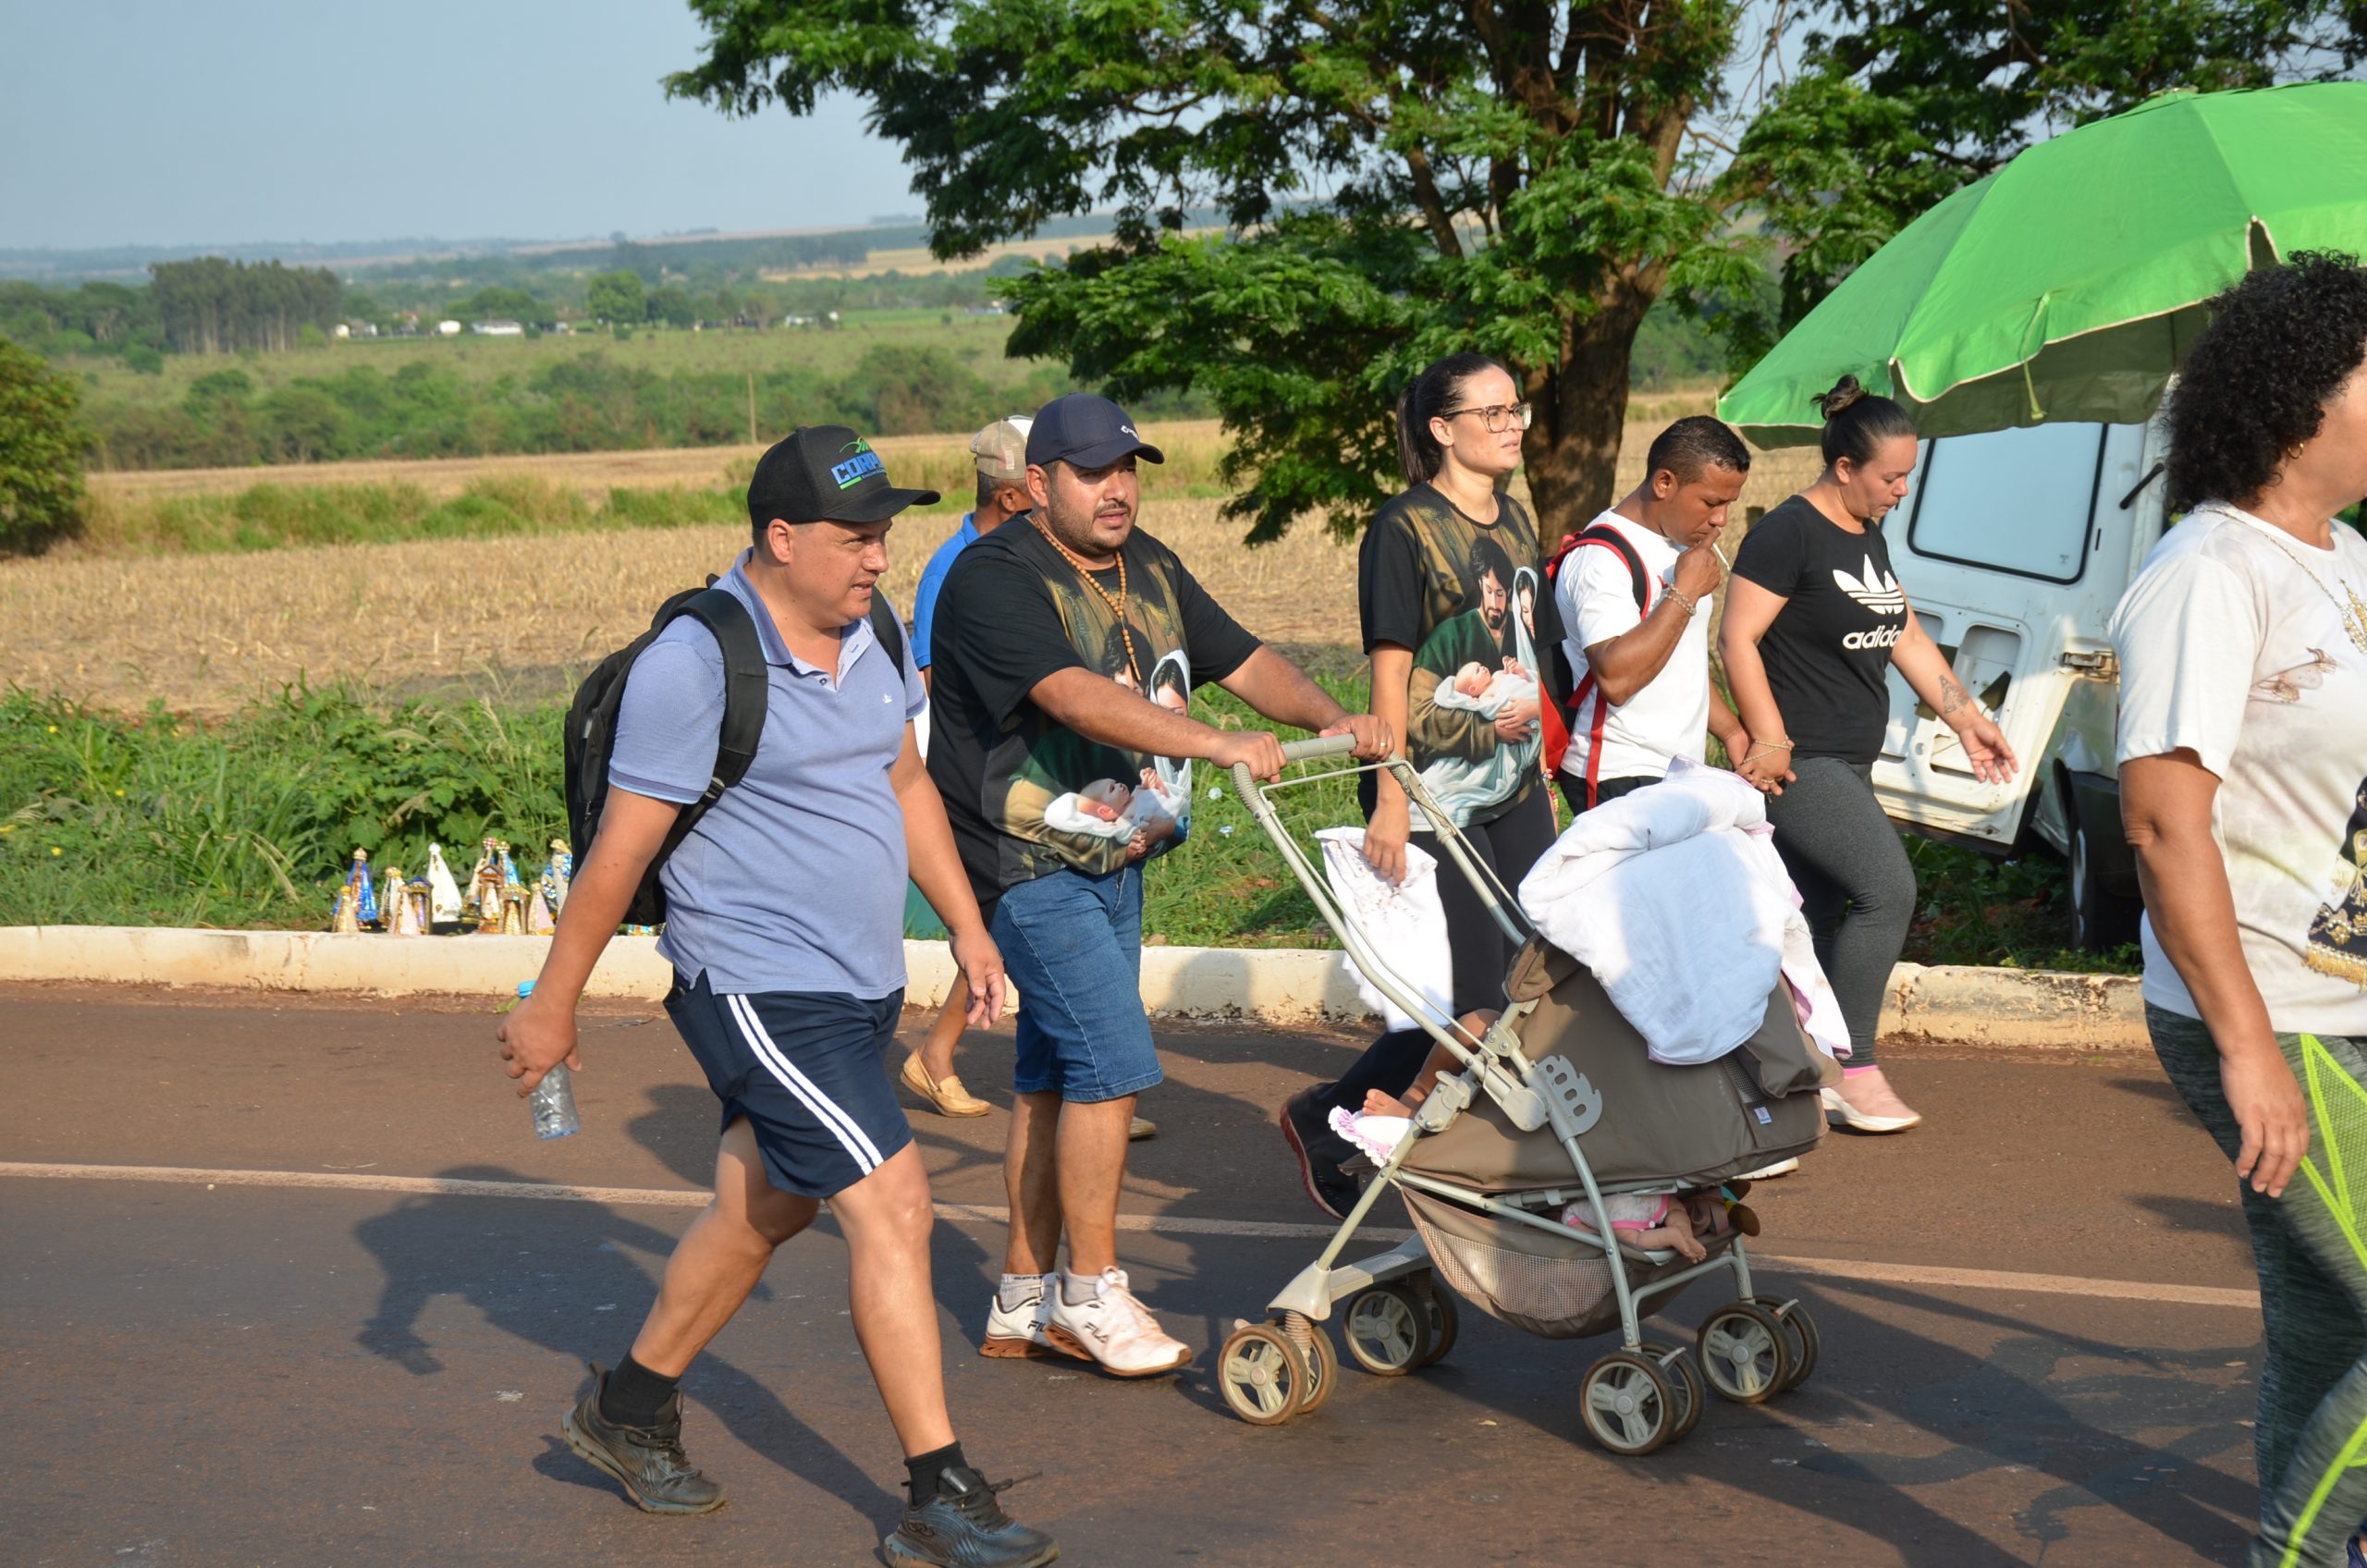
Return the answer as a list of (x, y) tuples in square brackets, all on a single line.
[(1878, 592)]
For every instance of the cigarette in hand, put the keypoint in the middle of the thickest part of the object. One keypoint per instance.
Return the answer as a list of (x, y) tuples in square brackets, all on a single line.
[(1720, 555)]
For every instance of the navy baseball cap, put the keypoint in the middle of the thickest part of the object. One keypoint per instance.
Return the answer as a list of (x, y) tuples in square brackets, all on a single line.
[(1084, 431), (825, 474)]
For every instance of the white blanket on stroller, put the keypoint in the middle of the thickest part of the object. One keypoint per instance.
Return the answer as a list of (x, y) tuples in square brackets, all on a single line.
[(1675, 898), (1404, 924)]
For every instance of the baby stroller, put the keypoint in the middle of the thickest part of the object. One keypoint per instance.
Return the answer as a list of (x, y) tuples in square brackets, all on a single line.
[(1557, 1103)]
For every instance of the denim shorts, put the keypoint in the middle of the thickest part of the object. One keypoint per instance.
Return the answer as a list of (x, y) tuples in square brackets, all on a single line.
[(1073, 946)]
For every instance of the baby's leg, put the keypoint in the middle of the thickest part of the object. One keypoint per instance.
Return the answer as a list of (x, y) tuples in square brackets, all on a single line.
[(1678, 1235)]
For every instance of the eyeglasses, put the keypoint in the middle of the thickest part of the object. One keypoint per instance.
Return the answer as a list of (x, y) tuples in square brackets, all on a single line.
[(1520, 416)]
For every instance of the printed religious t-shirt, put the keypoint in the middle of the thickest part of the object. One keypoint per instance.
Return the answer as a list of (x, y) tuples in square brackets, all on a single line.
[(1828, 650), (1026, 795), (2236, 642), (1464, 596)]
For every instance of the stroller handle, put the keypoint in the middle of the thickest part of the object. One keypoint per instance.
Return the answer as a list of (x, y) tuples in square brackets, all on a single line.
[(1310, 750)]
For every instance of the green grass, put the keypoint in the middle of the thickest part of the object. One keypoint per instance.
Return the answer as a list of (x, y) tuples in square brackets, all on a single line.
[(250, 822), (271, 517), (660, 350)]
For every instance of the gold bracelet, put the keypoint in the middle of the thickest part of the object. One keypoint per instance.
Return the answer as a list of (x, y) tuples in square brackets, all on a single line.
[(1758, 747), (1681, 597)]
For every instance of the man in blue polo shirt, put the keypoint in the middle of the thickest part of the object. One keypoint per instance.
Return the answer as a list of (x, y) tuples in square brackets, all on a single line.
[(784, 924)]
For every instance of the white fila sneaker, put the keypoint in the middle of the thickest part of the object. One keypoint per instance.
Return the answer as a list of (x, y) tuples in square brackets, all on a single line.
[(1019, 1332), (1113, 1329)]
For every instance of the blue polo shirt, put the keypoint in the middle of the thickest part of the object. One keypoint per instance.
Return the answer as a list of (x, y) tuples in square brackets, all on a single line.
[(933, 579), (796, 880)]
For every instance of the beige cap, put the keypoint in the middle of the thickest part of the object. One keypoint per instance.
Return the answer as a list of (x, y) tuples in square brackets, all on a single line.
[(1001, 448)]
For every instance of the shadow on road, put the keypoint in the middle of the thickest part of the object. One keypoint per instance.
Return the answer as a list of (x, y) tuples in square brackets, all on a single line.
[(430, 1247)]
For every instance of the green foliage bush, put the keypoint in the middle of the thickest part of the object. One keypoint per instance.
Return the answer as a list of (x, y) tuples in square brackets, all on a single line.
[(41, 452), (107, 820), (270, 516)]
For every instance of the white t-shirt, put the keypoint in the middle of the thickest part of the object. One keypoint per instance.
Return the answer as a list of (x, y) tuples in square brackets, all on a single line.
[(1669, 718), (2227, 648)]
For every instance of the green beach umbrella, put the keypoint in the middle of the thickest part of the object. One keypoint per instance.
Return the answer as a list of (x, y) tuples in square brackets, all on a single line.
[(2069, 284)]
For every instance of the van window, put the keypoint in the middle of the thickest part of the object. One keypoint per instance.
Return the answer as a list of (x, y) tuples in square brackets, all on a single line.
[(2011, 500)]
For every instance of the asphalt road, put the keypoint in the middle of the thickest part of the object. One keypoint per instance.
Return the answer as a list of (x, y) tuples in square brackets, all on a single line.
[(2053, 1361)]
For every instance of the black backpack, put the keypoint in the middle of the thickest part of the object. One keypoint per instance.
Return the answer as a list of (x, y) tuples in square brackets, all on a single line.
[(591, 723), (1565, 678)]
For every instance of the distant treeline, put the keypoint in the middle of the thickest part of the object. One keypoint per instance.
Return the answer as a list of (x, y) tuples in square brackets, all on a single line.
[(208, 306), (586, 404)]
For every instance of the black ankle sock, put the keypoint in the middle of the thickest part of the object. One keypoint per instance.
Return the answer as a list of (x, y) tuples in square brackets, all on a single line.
[(923, 1469), (635, 1396)]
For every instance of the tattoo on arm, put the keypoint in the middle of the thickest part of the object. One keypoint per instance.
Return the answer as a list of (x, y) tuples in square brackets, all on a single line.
[(1952, 696)]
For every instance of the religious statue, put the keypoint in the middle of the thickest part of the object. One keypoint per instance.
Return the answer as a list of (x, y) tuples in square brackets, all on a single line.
[(347, 917), (513, 910), (538, 915), (443, 893), (401, 910), (484, 890), (557, 875), (357, 881)]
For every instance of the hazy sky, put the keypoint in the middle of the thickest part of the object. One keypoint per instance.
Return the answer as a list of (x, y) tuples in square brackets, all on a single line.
[(168, 122)]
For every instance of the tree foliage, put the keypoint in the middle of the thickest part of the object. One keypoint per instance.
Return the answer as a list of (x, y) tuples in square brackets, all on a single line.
[(212, 306), (618, 296), (1902, 102), (41, 452), (1398, 177)]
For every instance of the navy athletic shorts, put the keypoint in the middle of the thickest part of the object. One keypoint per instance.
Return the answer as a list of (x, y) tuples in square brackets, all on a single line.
[(808, 1069)]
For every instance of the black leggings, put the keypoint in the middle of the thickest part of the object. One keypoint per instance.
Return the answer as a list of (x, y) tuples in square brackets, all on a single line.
[(1857, 889), (1511, 844)]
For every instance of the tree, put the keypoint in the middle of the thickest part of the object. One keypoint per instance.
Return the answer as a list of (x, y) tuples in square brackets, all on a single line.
[(1901, 102), (672, 304), (1398, 177), (41, 453), (618, 297), (1399, 181)]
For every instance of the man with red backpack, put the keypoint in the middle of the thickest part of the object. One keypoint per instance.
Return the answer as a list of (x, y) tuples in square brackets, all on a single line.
[(1634, 587)]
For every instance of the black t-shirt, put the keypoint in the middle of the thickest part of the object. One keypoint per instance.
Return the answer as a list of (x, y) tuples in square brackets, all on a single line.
[(1828, 650), (1460, 593), (1027, 796)]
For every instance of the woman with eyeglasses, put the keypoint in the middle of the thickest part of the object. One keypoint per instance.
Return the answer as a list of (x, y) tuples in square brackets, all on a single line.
[(1454, 669)]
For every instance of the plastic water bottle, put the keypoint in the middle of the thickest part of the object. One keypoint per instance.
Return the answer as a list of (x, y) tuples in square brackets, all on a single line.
[(553, 1100)]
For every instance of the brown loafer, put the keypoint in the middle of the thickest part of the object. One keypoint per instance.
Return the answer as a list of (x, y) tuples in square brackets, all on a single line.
[(946, 1096)]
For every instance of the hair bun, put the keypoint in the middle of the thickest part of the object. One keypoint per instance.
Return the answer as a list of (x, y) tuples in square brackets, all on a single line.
[(1845, 392)]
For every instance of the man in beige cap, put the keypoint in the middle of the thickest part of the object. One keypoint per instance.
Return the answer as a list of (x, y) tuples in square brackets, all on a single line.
[(1000, 452)]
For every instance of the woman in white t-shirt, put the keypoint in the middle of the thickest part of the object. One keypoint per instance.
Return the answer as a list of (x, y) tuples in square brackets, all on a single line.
[(2243, 779)]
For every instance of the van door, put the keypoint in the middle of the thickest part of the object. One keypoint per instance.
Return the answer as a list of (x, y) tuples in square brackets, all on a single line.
[(2015, 548)]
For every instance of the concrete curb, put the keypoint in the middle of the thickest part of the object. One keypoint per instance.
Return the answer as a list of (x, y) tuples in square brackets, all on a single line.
[(1945, 1005)]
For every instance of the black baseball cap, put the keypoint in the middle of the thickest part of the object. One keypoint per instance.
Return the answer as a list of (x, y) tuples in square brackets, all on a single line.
[(825, 474), (1085, 432)]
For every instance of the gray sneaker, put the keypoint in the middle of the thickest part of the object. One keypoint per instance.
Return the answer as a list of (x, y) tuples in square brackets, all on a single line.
[(647, 1461), (964, 1527)]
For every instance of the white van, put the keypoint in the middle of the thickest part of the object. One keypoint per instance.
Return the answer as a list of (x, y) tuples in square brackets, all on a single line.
[(2014, 546)]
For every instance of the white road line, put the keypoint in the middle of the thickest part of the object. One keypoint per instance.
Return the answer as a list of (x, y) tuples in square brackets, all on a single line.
[(1157, 1224)]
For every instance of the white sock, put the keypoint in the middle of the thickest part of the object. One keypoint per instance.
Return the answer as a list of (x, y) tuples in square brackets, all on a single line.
[(1078, 1288), (1017, 1290)]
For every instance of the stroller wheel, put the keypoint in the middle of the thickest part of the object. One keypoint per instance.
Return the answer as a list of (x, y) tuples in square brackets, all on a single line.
[(1446, 1319), (1683, 1380), (1801, 1337), (1262, 1375), (1628, 1404), (1746, 1352), (1388, 1331), (1314, 1347)]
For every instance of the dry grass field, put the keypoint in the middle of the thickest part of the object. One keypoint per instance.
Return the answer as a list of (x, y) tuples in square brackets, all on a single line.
[(521, 614)]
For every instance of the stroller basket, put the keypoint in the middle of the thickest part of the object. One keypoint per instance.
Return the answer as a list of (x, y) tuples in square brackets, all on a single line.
[(1540, 1283)]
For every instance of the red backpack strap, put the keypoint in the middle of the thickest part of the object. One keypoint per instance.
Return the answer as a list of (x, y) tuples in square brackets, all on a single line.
[(1557, 724)]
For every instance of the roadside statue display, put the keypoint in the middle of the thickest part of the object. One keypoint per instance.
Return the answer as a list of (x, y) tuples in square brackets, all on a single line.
[(513, 910), (538, 915), (443, 893), (347, 917)]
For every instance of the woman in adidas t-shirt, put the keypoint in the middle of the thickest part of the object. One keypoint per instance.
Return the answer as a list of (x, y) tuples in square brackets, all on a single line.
[(2243, 784), (1815, 619)]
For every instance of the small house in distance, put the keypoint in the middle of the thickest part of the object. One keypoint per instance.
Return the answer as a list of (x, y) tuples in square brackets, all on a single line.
[(498, 329), (448, 328)]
